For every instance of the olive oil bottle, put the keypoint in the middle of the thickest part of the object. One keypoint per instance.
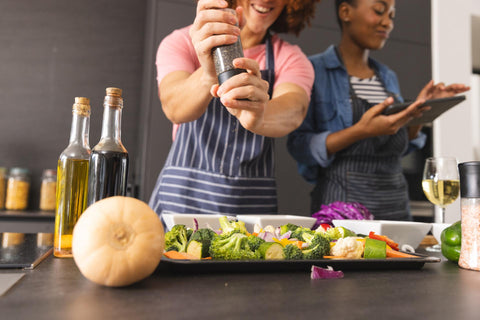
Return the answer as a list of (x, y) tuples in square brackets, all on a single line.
[(72, 179), (108, 170)]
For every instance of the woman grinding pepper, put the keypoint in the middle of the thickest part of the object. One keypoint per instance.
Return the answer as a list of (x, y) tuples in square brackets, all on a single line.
[(222, 160)]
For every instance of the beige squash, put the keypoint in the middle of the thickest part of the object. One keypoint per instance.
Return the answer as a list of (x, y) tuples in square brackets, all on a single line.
[(118, 241)]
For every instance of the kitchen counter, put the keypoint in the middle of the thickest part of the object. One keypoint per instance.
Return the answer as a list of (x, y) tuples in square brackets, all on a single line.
[(56, 290)]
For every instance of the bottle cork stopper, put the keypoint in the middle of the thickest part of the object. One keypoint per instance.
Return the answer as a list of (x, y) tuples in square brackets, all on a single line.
[(114, 92), (82, 100), (81, 106)]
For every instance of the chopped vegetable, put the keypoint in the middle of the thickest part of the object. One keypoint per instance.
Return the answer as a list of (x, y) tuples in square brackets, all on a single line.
[(231, 225), (375, 249), (288, 227), (178, 255), (300, 232), (398, 254), (339, 232), (325, 273), (386, 239), (232, 246), (318, 246), (350, 248), (199, 243), (271, 251), (292, 252), (341, 210), (177, 238), (254, 242)]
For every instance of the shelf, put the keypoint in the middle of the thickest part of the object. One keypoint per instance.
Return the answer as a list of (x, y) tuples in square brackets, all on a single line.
[(27, 221)]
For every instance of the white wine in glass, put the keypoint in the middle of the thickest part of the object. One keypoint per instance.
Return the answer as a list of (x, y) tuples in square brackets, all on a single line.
[(441, 184), (441, 192)]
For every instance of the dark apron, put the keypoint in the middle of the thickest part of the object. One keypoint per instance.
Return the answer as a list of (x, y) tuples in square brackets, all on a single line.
[(215, 166), (369, 172)]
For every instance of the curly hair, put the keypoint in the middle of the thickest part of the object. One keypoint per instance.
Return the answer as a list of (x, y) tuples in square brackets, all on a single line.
[(296, 15)]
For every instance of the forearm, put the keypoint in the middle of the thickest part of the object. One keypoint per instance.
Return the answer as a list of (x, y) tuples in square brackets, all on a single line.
[(285, 111), (413, 131), (342, 139), (185, 96)]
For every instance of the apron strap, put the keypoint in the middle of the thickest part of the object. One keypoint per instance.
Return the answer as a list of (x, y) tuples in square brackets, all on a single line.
[(269, 63)]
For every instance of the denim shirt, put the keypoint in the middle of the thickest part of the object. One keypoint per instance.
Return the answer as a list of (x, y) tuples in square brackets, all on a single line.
[(330, 110)]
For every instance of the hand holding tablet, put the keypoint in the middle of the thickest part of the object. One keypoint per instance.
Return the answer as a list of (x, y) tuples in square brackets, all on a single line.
[(438, 106)]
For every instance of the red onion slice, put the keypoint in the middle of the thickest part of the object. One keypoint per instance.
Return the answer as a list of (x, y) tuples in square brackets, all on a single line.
[(322, 273)]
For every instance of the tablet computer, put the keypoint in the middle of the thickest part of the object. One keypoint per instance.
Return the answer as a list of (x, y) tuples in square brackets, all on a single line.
[(438, 106)]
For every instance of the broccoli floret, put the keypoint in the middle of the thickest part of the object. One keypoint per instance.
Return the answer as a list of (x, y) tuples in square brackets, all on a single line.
[(254, 242), (177, 238), (319, 246), (229, 226), (288, 227), (339, 232), (301, 232), (232, 246), (292, 252), (189, 233), (199, 243), (203, 234)]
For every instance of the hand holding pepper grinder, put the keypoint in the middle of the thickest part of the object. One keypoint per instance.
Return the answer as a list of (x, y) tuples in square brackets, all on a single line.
[(223, 57)]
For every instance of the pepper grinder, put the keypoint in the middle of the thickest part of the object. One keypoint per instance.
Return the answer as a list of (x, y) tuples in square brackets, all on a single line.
[(223, 57)]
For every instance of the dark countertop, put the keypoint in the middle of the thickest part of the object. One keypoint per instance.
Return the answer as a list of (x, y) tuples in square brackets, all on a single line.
[(56, 290)]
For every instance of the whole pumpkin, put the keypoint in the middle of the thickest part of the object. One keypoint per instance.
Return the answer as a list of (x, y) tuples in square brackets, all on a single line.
[(118, 241)]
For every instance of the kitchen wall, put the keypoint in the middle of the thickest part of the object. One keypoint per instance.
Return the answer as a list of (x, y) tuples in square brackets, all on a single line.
[(457, 132), (54, 50)]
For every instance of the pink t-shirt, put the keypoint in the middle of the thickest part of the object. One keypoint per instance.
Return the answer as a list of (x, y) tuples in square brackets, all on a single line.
[(176, 52)]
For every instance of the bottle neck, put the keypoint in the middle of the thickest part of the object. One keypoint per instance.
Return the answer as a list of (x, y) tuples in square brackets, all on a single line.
[(80, 130), (112, 122)]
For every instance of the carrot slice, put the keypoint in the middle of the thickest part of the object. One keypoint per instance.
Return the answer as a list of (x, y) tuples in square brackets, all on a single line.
[(386, 239), (172, 254), (398, 254), (333, 257)]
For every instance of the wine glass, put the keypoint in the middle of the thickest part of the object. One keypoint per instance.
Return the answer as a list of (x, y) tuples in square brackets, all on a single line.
[(441, 185)]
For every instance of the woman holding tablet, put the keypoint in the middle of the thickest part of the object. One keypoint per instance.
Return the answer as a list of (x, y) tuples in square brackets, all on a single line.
[(346, 145)]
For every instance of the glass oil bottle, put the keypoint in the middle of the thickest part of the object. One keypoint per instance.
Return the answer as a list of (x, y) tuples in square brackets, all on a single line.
[(72, 179), (109, 159)]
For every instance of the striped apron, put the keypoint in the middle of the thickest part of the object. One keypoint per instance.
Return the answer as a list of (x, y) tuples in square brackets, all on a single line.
[(215, 166), (369, 172)]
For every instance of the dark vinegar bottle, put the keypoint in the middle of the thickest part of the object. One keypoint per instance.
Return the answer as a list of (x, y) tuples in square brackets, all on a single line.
[(108, 170)]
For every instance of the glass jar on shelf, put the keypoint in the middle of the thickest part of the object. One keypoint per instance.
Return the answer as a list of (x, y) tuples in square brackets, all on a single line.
[(3, 178), (18, 187), (48, 190)]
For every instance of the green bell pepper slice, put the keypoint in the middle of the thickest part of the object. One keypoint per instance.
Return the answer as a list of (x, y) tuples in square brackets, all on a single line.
[(451, 239)]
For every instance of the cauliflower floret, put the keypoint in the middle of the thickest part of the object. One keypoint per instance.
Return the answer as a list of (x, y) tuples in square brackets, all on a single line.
[(350, 248)]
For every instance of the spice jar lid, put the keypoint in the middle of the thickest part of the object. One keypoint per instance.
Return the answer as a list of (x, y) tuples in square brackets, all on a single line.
[(19, 172), (469, 179), (49, 173)]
